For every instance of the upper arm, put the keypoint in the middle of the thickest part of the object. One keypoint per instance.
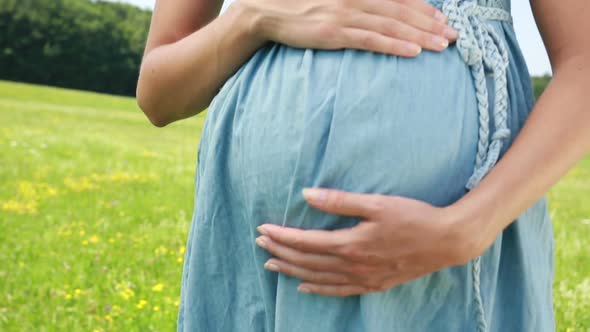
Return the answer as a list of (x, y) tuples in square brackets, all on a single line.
[(565, 29), (174, 19)]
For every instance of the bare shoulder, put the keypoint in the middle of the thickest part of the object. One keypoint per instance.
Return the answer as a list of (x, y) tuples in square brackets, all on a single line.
[(174, 19)]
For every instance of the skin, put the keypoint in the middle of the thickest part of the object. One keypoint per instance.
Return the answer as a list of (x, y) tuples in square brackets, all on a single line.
[(401, 239), (185, 63), (396, 240)]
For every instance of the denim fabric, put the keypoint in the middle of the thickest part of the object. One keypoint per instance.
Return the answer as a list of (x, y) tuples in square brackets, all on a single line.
[(363, 122)]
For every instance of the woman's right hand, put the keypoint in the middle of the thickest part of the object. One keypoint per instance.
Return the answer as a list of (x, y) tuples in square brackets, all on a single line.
[(397, 27)]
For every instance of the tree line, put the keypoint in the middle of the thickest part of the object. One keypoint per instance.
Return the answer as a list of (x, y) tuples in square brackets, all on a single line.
[(80, 44)]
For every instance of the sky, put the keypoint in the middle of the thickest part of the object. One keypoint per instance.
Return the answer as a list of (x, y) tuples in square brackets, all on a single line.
[(524, 25)]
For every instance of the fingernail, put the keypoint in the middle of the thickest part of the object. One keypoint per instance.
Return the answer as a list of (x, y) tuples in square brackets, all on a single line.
[(271, 266), (315, 195), (303, 289), (260, 242), (440, 16), (450, 33), (443, 42), (413, 48), (262, 230)]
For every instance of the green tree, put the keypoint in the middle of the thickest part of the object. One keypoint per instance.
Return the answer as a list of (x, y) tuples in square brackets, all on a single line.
[(78, 44)]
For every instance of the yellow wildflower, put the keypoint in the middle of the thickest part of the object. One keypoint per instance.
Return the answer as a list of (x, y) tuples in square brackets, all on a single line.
[(156, 308), (50, 191), (141, 304), (27, 190), (94, 239), (116, 310), (19, 207), (81, 184), (125, 292), (158, 287), (28, 196)]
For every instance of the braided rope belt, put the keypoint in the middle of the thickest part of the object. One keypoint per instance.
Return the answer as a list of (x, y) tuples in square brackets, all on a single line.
[(484, 51)]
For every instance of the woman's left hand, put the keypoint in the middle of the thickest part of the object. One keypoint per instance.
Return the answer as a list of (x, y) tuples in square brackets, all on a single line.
[(398, 240)]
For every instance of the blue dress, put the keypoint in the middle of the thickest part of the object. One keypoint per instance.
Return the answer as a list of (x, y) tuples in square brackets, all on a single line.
[(429, 128)]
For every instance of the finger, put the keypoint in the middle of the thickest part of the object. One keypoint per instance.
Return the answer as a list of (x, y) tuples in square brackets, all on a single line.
[(306, 260), (401, 31), (308, 241), (308, 275), (426, 22), (333, 290), (413, 17), (344, 203), (367, 40), (425, 8)]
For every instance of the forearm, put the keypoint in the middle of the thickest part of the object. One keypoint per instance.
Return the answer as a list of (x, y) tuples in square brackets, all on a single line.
[(180, 79), (554, 138)]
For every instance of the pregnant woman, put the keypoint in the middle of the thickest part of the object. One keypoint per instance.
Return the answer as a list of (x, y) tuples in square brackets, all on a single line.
[(357, 172)]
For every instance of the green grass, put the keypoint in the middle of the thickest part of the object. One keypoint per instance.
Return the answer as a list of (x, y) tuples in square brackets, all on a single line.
[(94, 208), (95, 205)]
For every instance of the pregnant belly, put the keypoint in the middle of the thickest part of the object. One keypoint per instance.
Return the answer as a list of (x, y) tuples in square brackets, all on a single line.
[(351, 120)]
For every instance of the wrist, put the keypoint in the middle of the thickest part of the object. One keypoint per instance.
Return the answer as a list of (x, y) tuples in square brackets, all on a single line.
[(470, 230), (250, 20)]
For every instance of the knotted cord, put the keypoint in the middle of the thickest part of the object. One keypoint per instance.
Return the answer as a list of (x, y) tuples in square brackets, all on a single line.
[(483, 51)]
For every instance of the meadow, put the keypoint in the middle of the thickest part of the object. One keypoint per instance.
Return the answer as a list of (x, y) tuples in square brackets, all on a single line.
[(95, 205)]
